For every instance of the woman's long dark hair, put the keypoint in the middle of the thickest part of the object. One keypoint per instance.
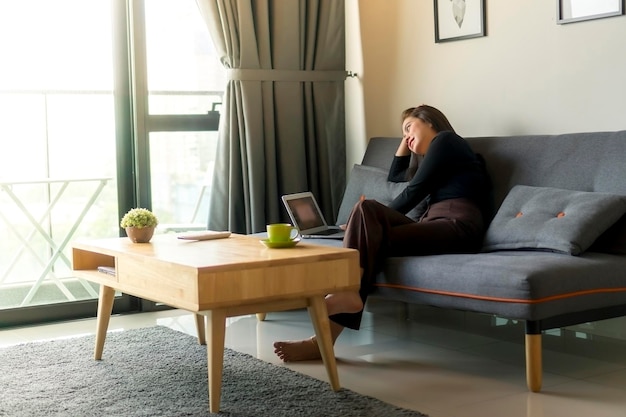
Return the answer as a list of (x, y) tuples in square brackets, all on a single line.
[(429, 114)]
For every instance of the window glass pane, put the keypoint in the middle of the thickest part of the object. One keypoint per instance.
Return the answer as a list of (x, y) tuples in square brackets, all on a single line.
[(184, 72), (55, 45), (57, 145), (81, 132), (181, 168), (22, 132)]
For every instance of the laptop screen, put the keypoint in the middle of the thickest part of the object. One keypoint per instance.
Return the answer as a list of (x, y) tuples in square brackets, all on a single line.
[(305, 213)]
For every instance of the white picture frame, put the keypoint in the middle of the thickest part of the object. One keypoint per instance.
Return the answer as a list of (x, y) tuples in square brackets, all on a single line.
[(570, 11), (459, 19)]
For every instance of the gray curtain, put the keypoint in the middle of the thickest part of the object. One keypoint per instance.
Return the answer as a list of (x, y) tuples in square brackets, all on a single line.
[(282, 127)]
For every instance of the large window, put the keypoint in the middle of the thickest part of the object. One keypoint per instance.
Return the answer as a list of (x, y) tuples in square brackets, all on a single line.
[(185, 84), (96, 116)]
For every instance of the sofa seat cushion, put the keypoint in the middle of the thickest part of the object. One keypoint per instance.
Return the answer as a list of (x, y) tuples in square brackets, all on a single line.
[(514, 284), (552, 219)]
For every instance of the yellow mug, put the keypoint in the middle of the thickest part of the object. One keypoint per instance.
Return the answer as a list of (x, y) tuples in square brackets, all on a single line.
[(282, 232)]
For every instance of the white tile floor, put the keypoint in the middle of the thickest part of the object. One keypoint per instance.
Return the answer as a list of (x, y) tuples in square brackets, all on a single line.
[(442, 363)]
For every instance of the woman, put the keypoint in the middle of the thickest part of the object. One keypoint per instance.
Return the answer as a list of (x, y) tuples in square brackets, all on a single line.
[(456, 185)]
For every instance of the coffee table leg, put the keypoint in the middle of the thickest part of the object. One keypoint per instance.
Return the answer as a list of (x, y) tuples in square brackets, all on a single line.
[(321, 323), (105, 306), (216, 330)]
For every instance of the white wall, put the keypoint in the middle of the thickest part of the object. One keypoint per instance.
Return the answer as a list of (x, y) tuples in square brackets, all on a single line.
[(528, 75)]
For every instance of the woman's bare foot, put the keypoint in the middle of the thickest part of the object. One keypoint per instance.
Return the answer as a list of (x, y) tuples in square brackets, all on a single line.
[(306, 349), (297, 350)]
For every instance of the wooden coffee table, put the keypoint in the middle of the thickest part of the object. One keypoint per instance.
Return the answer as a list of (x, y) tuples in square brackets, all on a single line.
[(217, 279)]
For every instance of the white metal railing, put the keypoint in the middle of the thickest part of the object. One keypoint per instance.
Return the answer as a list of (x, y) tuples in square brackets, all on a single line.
[(37, 228)]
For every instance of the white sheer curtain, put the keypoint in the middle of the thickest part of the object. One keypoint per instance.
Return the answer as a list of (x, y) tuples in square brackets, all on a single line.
[(282, 127)]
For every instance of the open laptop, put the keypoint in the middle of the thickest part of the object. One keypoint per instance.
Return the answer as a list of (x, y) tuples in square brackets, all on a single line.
[(306, 216)]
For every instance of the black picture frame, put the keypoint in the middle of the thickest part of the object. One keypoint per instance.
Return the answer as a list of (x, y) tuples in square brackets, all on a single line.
[(571, 11), (459, 19)]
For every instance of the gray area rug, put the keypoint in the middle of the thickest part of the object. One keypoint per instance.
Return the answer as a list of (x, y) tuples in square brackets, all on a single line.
[(157, 371)]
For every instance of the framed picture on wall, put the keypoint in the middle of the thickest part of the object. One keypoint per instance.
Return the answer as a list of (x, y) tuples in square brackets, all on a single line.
[(459, 19), (569, 11)]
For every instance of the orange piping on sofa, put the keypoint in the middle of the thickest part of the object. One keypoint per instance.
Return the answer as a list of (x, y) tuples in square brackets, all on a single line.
[(506, 300)]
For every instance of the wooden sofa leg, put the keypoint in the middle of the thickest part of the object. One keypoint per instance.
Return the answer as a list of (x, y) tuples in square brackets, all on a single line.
[(261, 316), (533, 362)]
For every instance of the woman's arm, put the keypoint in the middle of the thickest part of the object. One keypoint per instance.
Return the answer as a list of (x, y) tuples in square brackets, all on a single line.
[(430, 173), (403, 148), (398, 169), (400, 163)]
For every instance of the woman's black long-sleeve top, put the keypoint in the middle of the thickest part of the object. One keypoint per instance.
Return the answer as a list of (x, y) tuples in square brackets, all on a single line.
[(450, 169)]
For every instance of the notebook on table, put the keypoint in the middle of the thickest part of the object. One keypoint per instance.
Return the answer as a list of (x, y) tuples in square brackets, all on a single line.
[(306, 215)]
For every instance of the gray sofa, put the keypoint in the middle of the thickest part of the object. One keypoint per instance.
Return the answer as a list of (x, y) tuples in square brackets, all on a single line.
[(575, 278)]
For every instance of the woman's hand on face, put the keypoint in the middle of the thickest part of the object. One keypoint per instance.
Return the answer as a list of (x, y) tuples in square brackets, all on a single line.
[(403, 148)]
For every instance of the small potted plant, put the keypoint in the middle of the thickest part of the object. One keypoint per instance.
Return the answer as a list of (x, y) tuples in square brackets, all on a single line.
[(139, 224)]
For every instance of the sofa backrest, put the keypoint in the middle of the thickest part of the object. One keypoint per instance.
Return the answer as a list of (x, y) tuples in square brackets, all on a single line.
[(577, 161)]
